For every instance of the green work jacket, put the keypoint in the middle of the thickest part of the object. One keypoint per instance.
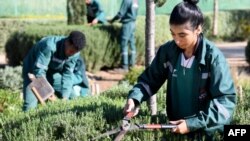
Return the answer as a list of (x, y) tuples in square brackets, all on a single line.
[(128, 11), (95, 10), (216, 97), (48, 56), (80, 77)]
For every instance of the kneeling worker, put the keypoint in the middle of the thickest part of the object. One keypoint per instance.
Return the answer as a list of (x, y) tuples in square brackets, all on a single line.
[(53, 57)]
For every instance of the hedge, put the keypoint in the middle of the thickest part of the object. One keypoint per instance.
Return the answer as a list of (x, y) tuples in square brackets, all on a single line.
[(102, 50), (85, 118), (103, 41), (102, 46), (11, 78)]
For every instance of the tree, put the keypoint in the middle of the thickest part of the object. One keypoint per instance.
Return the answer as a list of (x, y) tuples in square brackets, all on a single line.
[(150, 46), (150, 43), (76, 12), (215, 17)]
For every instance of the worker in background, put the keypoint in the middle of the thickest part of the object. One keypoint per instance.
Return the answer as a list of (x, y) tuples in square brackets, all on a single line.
[(127, 16), (95, 13)]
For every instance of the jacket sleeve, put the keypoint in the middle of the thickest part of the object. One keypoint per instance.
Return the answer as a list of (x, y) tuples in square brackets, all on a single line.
[(122, 11), (100, 14), (67, 75), (80, 74), (85, 78), (150, 81), (43, 56), (223, 99)]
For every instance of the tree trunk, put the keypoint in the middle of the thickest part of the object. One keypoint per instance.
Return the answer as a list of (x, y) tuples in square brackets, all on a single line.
[(150, 46), (215, 17), (76, 12)]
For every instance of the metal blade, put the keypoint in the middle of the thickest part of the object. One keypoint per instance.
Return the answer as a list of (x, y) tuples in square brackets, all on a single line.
[(120, 135), (107, 133), (123, 132)]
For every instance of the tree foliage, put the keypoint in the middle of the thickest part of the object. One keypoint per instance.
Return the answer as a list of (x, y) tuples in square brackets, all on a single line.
[(160, 3)]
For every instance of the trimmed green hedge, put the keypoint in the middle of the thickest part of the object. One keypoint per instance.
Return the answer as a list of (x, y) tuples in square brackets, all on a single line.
[(103, 41), (11, 78), (102, 48), (7, 27), (85, 118), (232, 26), (79, 119), (132, 76)]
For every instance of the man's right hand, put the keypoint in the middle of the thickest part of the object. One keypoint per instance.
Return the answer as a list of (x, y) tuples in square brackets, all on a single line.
[(130, 107), (52, 98)]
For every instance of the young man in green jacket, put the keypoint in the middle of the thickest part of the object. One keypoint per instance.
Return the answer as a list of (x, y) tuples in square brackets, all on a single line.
[(200, 91), (53, 57), (127, 15), (95, 13)]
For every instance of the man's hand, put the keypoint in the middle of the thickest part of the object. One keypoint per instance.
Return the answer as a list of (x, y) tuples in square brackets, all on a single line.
[(31, 76), (52, 98), (181, 127), (95, 21), (130, 107)]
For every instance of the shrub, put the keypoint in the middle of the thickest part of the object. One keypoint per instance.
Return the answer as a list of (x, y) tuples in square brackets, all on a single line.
[(11, 78), (85, 118), (95, 54), (79, 119), (103, 41), (133, 74), (20, 42), (242, 112), (232, 25), (102, 46), (9, 102), (9, 26), (103, 49), (118, 91)]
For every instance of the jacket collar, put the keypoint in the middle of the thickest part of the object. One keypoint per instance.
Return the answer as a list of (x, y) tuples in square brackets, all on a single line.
[(60, 52), (202, 50)]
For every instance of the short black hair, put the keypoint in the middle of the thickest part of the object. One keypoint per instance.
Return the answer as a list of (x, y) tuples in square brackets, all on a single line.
[(78, 39), (187, 11)]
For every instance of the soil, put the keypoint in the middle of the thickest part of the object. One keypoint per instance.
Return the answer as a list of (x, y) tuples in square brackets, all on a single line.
[(107, 79)]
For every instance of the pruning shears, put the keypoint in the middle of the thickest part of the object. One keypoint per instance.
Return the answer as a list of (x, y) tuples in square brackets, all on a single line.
[(127, 126)]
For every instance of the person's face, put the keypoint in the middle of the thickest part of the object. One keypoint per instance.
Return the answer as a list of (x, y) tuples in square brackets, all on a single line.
[(70, 49), (184, 35), (87, 1)]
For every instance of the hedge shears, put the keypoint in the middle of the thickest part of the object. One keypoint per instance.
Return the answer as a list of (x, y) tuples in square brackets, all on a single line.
[(127, 126)]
